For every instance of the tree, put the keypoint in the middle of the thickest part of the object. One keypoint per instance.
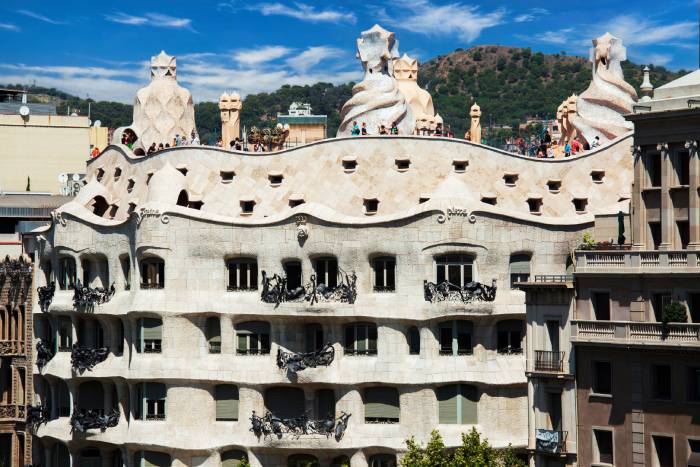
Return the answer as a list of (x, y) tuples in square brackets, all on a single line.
[(674, 312), (29, 186)]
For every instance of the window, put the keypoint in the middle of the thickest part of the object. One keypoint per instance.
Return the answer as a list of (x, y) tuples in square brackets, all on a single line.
[(456, 338), (131, 208), (183, 199), (152, 273), (381, 405), (152, 401), (661, 382), (402, 165), (694, 307), (183, 170), (150, 335), (148, 178), (510, 336), (100, 174), (247, 207), (601, 305), (382, 460), (384, 274), (130, 185), (454, 268), (663, 451), (213, 334), (492, 200), (597, 176), (519, 269), (341, 461), (580, 204), (313, 336), (554, 186), (457, 404), (510, 179), (423, 199), (276, 179), (117, 174), (253, 338), (602, 378), (296, 202), (683, 229), (302, 460), (151, 459), (371, 205), (603, 447), (693, 384), (694, 453), (325, 403), (292, 271), (460, 166), (554, 410), (285, 402), (535, 205), (361, 339), (226, 397), (413, 341), (653, 166), (681, 165), (66, 272), (60, 456), (658, 303), (242, 274), (227, 176), (65, 334), (125, 263), (233, 458), (349, 166), (326, 270)]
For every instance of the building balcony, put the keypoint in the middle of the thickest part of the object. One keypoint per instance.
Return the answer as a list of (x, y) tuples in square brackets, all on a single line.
[(636, 333), (13, 412), (647, 262), (449, 292), (547, 361), (275, 290), (85, 358), (550, 441), (547, 281), (11, 348), (87, 419)]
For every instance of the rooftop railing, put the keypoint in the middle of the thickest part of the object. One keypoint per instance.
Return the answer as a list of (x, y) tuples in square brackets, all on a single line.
[(628, 261), (630, 333)]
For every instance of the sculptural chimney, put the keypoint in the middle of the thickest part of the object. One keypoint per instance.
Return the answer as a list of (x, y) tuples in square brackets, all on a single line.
[(230, 106), (475, 128)]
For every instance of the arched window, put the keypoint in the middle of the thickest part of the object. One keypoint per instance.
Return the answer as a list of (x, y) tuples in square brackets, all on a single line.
[(413, 341), (510, 336), (302, 460), (63, 398), (253, 338), (313, 334), (233, 458), (226, 398), (183, 199), (66, 272), (125, 263), (152, 273), (361, 339), (519, 269), (99, 206), (458, 269), (325, 403), (91, 334), (457, 404), (285, 402), (382, 460), (213, 334), (456, 337), (91, 396), (65, 334), (381, 405)]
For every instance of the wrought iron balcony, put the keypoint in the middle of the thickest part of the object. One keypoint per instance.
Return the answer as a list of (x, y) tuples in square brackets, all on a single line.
[(8, 348), (86, 298), (294, 362), (85, 358), (87, 419), (447, 291), (550, 441), (275, 290), (510, 350), (271, 425), (14, 412), (46, 294), (548, 361), (44, 353), (37, 415), (640, 333)]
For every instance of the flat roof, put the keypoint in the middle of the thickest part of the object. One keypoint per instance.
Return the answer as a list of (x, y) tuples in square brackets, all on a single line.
[(28, 205), (302, 119)]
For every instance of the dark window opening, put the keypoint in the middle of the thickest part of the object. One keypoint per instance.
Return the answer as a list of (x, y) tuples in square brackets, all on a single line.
[(403, 164), (580, 204), (296, 202), (455, 268), (663, 445), (371, 206), (489, 200), (683, 233), (534, 205), (604, 444), (460, 166), (152, 273), (510, 179), (597, 176), (326, 270), (413, 341), (510, 337), (99, 206), (694, 384), (681, 164), (456, 338), (658, 303), (275, 180), (361, 339), (242, 274), (183, 199), (554, 186), (655, 233), (653, 166), (349, 166), (423, 199), (601, 305), (292, 271), (602, 378), (253, 338), (148, 178), (183, 170), (117, 174), (247, 207), (100, 174), (227, 177), (661, 382), (130, 185), (384, 274), (694, 307)]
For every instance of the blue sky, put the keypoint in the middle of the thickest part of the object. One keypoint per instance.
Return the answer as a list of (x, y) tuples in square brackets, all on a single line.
[(102, 49)]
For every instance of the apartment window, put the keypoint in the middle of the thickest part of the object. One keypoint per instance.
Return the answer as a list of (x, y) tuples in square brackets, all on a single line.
[(661, 382), (603, 447), (233, 458), (326, 270), (510, 336), (151, 459), (65, 334), (226, 397), (152, 273), (324, 403), (694, 307), (683, 228), (554, 410), (66, 272), (253, 338), (580, 204), (384, 269), (213, 334), (694, 384), (381, 405), (653, 166), (534, 205), (519, 269), (681, 166), (371, 205), (663, 451), (313, 336), (456, 268), (456, 338), (554, 186), (361, 339), (602, 378), (64, 402), (125, 263), (658, 303), (655, 234), (242, 274), (302, 460), (247, 207), (285, 402), (150, 335), (457, 404), (152, 401), (292, 271), (601, 305), (694, 453), (413, 341), (227, 176), (382, 460)]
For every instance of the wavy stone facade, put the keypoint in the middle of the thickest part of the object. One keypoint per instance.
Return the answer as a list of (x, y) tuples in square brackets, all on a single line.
[(191, 239)]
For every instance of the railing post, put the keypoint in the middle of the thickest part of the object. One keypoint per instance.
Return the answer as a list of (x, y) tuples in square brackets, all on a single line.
[(635, 259)]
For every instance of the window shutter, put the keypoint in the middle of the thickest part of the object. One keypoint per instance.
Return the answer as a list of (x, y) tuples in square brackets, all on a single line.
[(232, 458), (226, 396), (152, 328), (520, 264), (381, 402), (213, 329), (372, 337), (285, 402), (469, 400), (447, 404), (325, 403), (155, 459)]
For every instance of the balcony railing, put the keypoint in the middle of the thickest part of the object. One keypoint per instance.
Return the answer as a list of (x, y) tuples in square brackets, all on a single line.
[(86, 298), (652, 261), (270, 425), (627, 332), (293, 362), (85, 358), (447, 291), (15, 412), (88, 419), (8, 348), (550, 441), (548, 361), (275, 290)]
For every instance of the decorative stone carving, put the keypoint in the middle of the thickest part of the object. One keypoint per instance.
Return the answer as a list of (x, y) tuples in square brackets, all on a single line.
[(420, 100), (271, 425), (85, 358), (294, 362), (475, 127), (447, 291), (275, 290), (163, 109), (88, 419), (85, 298), (302, 229), (377, 100), (44, 353), (230, 106), (46, 295), (19, 273), (601, 107)]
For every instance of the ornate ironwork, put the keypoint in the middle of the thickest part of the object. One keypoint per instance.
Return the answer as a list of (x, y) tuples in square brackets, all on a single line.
[(12, 412), (19, 272), (294, 362), (275, 290), (296, 427), (447, 291), (46, 295), (11, 348), (88, 419), (85, 298), (37, 415), (44, 353), (85, 358)]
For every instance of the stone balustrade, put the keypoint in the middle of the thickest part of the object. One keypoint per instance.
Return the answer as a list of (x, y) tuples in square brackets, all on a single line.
[(631, 333), (637, 261)]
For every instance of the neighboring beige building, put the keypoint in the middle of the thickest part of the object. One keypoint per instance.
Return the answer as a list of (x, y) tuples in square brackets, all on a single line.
[(304, 127)]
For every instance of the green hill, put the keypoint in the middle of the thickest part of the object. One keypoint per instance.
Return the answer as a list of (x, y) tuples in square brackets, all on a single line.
[(509, 84)]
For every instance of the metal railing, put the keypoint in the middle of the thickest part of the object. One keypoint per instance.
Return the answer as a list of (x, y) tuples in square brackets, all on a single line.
[(550, 441), (549, 361), (635, 332), (556, 278)]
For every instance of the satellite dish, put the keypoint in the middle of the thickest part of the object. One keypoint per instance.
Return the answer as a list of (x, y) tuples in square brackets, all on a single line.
[(76, 177), (97, 124), (63, 178), (24, 111)]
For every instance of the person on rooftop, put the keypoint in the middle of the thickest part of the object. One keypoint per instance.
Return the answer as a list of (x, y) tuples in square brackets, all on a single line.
[(95, 152), (438, 130), (363, 130), (355, 129), (151, 149), (394, 130), (383, 130)]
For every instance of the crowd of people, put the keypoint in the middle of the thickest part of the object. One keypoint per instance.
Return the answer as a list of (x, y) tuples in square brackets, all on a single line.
[(547, 148), (361, 130)]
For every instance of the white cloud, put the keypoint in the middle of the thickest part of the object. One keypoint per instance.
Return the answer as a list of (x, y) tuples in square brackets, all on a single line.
[(250, 57), (656, 59), (39, 17), (561, 37), (313, 56), (157, 20), (639, 30), (531, 15), (123, 18), (424, 17), (304, 12), (9, 27)]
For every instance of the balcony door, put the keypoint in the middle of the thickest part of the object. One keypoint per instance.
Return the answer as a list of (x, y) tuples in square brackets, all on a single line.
[(554, 411), (552, 335)]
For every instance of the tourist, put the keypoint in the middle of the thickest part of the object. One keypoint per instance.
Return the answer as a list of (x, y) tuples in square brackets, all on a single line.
[(363, 131), (567, 149), (95, 152), (438, 130), (596, 142), (466, 135), (550, 152), (195, 139), (394, 130), (382, 130), (151, 149), (547, 137), (161, 147), (575, 146), (219, 143), (355, 129)]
